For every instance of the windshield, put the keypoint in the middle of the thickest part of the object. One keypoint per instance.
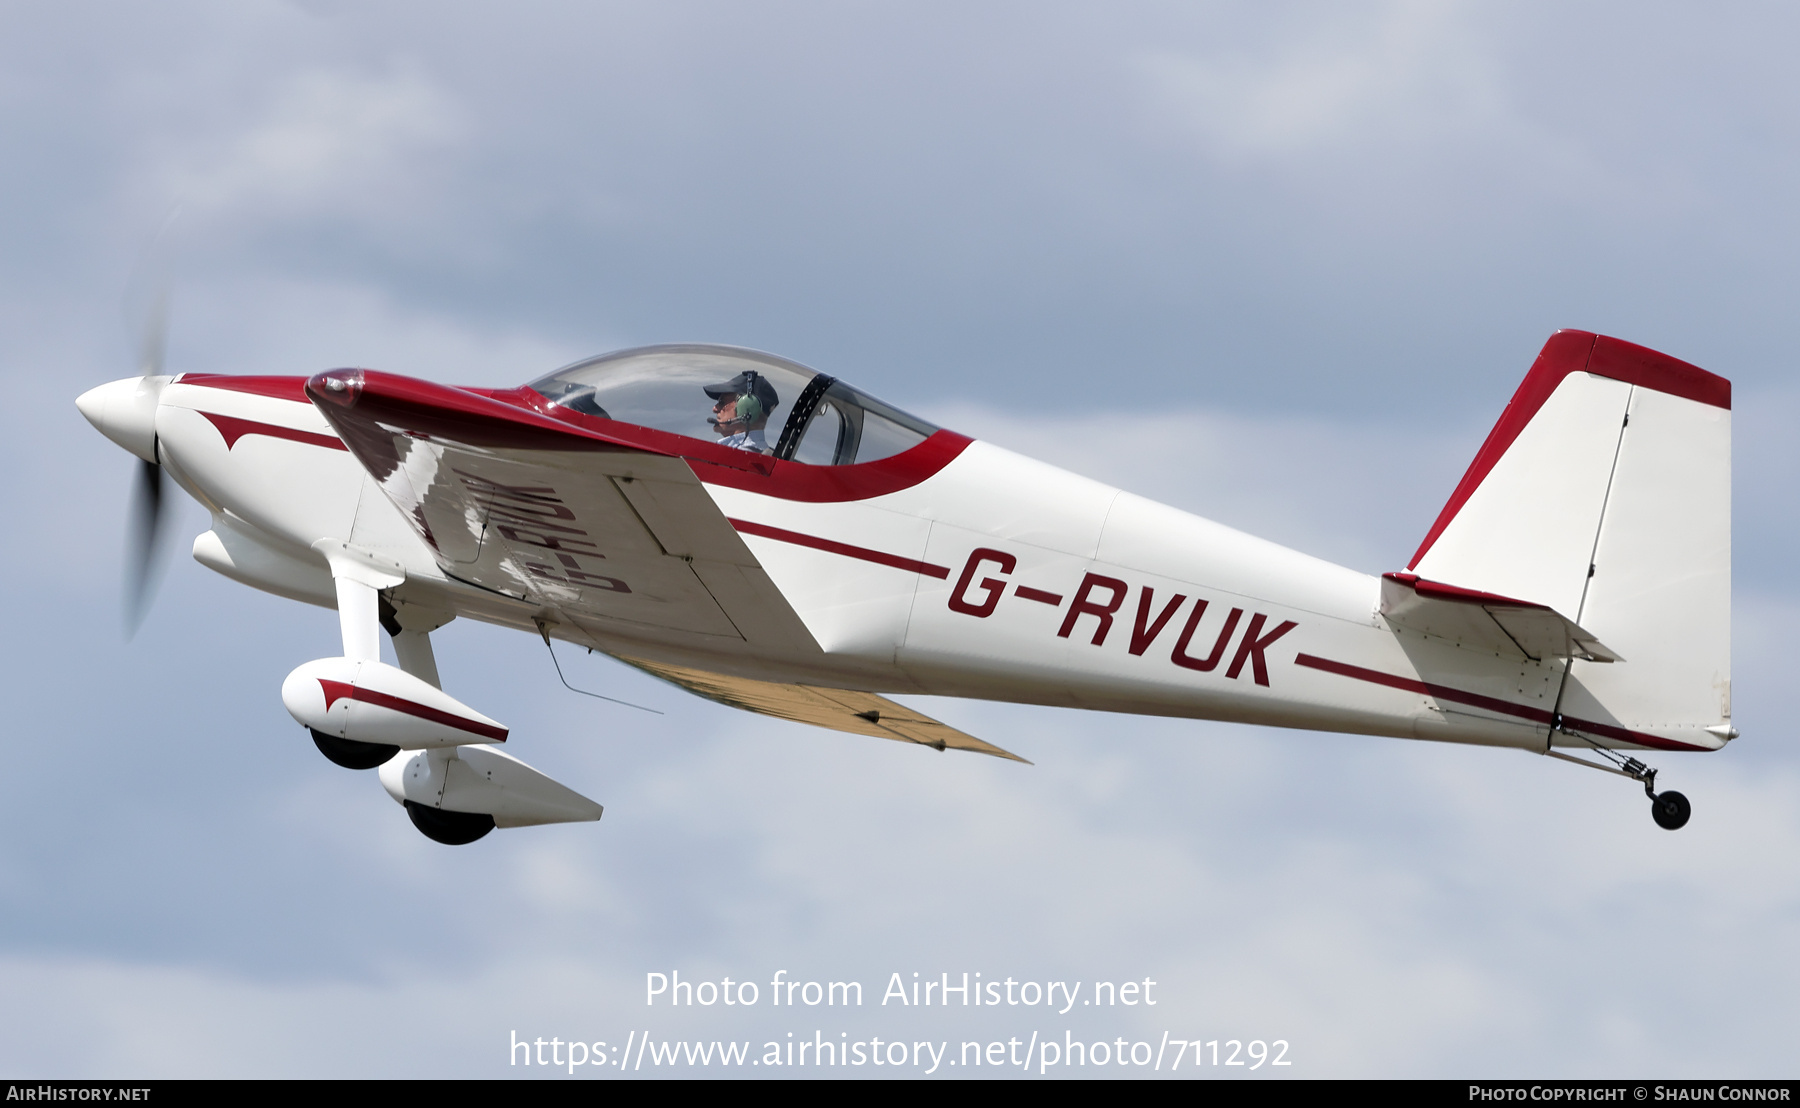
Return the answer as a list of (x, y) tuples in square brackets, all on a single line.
[(737, 398)]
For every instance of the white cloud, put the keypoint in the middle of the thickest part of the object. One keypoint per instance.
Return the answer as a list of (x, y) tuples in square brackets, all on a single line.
[(1399, 69), (276, 324), (323, 142), (1404, 67), (1379, 99)]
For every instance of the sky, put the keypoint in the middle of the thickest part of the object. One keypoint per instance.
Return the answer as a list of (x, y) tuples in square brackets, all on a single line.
[(1279, 265)]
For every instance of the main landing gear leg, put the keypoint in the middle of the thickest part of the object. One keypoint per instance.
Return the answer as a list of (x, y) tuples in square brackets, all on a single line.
[(410, 628), (1669, 809)]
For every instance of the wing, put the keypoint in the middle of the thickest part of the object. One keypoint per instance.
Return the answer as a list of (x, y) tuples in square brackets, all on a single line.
[(859, 713), (607, 534)]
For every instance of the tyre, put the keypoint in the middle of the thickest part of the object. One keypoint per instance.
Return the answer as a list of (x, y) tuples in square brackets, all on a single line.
[(1671, 810), (449, 828), (352, 754)]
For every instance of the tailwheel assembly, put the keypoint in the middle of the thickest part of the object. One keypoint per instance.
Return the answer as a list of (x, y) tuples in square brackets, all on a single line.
[(1669, 809)]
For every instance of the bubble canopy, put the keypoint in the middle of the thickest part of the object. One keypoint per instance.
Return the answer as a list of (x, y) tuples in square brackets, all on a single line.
[(797, 414)]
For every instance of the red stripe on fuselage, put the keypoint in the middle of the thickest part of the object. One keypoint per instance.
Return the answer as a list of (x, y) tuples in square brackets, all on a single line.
[(337, 690), (233, 429), (844, 548), (1492, 704)]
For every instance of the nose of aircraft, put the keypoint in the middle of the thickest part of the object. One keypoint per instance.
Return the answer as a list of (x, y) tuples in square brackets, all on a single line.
[(125, 412)]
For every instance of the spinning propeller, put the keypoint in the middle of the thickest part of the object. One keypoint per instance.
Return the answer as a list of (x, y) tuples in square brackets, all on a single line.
[(147, 523), (125, 412)]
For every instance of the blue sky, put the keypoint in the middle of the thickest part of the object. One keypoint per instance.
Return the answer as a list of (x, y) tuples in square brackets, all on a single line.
[(1279, 265)]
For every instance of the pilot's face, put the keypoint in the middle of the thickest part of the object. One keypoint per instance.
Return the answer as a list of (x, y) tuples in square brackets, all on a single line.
[(725, 412)]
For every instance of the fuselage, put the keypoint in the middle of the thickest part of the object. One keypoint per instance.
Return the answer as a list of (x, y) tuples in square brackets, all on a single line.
[(958, 569)]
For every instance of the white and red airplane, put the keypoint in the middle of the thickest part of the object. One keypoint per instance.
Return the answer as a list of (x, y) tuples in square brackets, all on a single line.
[(774, 539)]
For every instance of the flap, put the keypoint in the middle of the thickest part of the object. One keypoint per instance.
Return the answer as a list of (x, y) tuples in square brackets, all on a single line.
[(1486, 621), (604, 533), (859, 713)]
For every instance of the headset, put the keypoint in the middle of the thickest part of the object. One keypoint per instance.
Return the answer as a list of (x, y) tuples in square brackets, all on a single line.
[(749, 407)]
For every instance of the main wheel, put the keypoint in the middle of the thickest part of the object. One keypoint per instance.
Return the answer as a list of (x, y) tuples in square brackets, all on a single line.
[(352, 754), (449, 828), (1670, 810)]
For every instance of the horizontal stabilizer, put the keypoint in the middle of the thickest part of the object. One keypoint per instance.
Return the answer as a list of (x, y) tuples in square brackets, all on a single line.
[(859, 713), (1486, 621)]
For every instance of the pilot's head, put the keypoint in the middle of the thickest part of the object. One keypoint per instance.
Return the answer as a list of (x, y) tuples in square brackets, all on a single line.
[(741, 404)]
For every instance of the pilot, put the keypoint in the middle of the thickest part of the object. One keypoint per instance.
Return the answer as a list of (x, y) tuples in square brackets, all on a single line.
[(740, 411)]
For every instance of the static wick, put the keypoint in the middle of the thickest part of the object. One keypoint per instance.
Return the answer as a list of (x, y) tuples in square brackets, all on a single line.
[(544, 630)]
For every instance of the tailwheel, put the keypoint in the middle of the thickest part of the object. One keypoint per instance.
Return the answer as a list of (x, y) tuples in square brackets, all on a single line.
[(1670, 810)]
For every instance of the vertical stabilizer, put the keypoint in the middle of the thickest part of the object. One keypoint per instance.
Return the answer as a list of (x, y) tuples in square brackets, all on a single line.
[(1604, 492)]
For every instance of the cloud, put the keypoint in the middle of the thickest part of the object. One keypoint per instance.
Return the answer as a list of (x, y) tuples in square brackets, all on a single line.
[(1399, 69), (271, 323), (323, 142), (1381, 107)]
